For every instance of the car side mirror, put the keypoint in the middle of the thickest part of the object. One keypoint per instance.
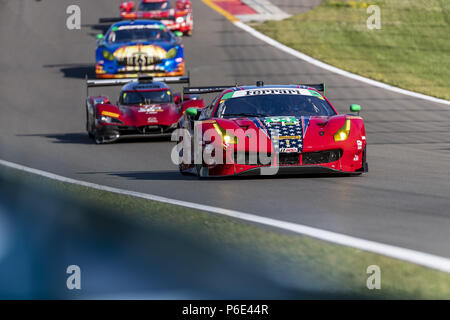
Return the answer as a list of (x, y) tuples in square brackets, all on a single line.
[(99, 36), (178, 33), (177, 99), (191, 112), (355, 108)]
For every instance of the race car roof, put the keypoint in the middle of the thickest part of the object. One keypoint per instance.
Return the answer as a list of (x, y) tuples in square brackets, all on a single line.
[(137, 22)]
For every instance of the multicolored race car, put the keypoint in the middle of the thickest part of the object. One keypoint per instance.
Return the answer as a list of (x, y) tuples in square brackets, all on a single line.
[(137, 47), (178, 18), (146, 107), (261, 129)]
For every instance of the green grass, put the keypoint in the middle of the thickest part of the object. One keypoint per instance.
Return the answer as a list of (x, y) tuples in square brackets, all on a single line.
[(411, 50), (286, 257)]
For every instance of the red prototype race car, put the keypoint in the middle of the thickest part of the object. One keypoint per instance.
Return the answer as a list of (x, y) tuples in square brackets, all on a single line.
[(146, 107), (257, 130), (176, 19)]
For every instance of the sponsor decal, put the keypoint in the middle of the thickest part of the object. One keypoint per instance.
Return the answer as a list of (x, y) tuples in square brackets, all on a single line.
[(359, 144), (288, 137), (288, 150), (259, 92), (152, 120), (356, 157), (151, 109), (285, 120)]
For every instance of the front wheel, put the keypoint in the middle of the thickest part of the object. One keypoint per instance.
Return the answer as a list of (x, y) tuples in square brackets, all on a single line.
[(88, 126)]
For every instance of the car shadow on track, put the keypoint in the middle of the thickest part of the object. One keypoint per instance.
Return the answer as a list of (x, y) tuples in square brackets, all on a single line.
[(170, 175), (73, 138), (162, 175), (74, 70), (82, 138)]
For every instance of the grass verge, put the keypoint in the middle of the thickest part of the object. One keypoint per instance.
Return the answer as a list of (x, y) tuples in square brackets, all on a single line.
[(295, 260), (410, 51)]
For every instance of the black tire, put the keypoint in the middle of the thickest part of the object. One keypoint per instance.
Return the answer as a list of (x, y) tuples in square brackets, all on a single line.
[(89, 126), (97, 138)]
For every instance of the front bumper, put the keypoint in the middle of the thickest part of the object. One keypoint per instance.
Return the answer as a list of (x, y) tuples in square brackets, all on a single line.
[(112, 133), (326, 161)]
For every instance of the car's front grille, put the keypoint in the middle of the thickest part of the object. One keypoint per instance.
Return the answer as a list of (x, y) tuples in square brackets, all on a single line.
[(151, 129), (252, 158), (288, 158), (139, 60), (322, 156)]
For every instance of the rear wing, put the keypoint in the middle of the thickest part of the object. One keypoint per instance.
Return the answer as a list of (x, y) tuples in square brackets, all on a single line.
[(319, 87), (203, 90), (140, 79)]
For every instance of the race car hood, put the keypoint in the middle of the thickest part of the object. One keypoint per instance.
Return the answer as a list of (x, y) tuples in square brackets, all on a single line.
[(284, 133), (155, 114), (133, 47)]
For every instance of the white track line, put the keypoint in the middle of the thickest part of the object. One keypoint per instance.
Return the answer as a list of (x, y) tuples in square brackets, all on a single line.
[(420, 258), (328, 67)]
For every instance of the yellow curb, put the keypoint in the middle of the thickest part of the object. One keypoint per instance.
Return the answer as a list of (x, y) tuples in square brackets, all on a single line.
[(212, 5)]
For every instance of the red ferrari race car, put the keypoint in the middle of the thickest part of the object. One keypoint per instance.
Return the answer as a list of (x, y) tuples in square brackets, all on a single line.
[(178, 19), (258, 130), (146, 107)]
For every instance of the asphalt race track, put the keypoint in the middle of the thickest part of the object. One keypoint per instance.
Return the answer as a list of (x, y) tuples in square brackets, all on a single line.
[(403, 200)]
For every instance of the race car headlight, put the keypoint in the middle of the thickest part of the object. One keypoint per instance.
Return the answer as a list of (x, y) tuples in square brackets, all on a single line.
[(172, 53), (227, 137), (109, 117), (179, 20), (342, 133), (108, 55)]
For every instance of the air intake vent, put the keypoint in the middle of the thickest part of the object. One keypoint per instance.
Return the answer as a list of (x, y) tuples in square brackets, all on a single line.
[(322, 156)]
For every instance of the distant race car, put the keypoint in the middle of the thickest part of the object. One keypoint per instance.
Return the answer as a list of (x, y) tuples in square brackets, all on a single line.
[(137, 47), (261, 129), (146, 107), (178, 18)]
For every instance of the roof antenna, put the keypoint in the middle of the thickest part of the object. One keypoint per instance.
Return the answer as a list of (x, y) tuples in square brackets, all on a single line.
[(260, 83)]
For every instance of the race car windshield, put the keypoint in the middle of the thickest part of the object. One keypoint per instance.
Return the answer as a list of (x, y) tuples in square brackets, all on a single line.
[(145, 97), (275, 105), (152, 6), (138, 35)]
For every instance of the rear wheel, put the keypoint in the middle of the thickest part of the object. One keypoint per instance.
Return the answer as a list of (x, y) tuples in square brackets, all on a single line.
[(88, 126), (365, 166)]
